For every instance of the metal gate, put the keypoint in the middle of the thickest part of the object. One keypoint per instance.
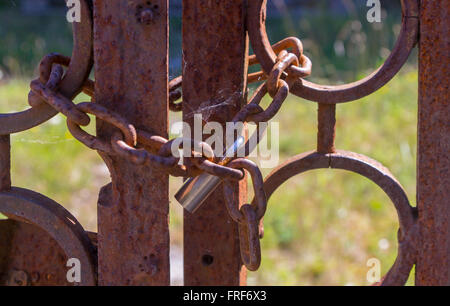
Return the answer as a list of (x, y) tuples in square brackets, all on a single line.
[(126, 41)]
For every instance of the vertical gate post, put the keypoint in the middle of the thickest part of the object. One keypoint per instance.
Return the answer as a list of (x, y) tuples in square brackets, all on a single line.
[(214, 83), (433, 169), (131, 70)]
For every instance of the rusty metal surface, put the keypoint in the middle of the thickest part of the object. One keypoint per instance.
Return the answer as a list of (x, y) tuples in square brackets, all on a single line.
[(5, 162), (30, 257), (398, 274), (214, 71), (131, 69), (248, 216), (79, 68), (31, 207), (59, 102), (433, 163), (131, 98), (343, 93), (326, 128)]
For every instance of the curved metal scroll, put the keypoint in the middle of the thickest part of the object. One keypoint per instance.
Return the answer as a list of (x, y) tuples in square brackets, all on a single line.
[(371, 169), (343, 93), (26, 205), (78, 71)]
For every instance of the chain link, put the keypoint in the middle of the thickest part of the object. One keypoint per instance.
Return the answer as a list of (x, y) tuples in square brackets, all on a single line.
[(142, 147)]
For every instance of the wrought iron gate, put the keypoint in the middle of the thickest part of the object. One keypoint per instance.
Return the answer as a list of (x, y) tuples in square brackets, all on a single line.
[(126, 41)]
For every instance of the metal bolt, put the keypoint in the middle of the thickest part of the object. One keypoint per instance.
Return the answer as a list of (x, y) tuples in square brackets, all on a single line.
[(35, 276), (146, 16), (18, 278), (49, 276)]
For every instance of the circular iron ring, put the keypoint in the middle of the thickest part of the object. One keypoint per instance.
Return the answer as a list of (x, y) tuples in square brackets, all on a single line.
[(78, 71), (406, 41), (28, 206), (374, 171)]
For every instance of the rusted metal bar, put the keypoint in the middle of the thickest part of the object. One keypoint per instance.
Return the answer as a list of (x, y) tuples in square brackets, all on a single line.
[(214, 82), (433, 168), (5, 162), (131, 69), (326, 128)]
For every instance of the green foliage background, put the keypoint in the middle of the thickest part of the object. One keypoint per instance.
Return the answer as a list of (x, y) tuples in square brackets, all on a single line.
[(321, 227)]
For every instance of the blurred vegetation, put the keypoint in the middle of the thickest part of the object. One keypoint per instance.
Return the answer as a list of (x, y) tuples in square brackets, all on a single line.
[(25, 39), (322, 226), (343, 46)]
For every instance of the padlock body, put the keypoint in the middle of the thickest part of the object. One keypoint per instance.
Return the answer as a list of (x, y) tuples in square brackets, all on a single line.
[(195, 190)]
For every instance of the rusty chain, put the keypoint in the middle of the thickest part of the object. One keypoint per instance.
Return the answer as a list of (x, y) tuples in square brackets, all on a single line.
[(45, 88), (142, 147), (283, 65)]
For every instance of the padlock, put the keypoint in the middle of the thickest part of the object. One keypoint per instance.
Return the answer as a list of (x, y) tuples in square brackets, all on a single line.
[(196, 189)]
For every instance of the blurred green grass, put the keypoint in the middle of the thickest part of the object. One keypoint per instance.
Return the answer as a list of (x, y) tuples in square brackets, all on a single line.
[(321, 227)]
